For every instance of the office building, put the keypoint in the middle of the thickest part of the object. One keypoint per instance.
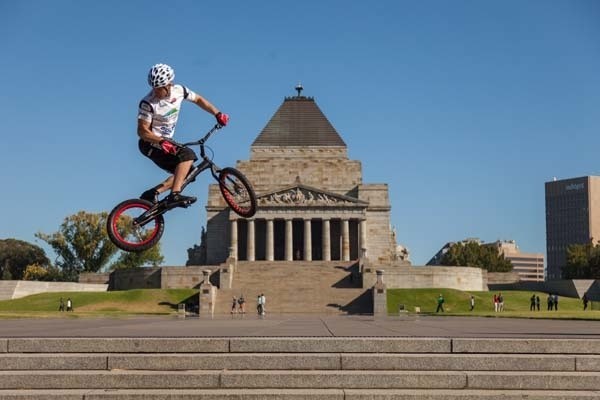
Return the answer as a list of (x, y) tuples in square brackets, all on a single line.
[(529, 266), (572, 217)]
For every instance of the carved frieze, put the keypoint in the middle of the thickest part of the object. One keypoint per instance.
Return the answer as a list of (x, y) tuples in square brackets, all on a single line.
[(302, 197)]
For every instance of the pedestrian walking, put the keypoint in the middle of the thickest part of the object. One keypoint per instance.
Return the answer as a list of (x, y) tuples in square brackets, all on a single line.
[(537, 302), (259, 304), (241, 303), (532, 303), (233, 304), (440, 304), (585, 301), (263, 302), (472, 303)]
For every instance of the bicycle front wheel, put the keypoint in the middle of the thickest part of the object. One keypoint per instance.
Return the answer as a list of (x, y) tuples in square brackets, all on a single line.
[(237, 192), (126, 234)]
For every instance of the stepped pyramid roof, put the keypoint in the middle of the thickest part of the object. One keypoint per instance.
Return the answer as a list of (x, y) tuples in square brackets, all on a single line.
[(299, 122)]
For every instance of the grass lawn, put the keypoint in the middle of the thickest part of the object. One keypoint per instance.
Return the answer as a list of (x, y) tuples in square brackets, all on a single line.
[(516, 304), (117, 303)]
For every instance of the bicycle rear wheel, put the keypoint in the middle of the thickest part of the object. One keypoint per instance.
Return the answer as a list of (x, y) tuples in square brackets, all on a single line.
[(126, 234), (237, 192)]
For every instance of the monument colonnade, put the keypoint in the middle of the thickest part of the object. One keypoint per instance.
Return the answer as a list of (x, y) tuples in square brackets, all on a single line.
[(325, 241)]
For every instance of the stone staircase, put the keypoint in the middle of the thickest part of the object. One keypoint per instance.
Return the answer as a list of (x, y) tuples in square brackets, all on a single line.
[(298, 287), (324, 368)]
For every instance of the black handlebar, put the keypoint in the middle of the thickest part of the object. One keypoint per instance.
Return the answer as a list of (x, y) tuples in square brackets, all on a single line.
[(205, 138)]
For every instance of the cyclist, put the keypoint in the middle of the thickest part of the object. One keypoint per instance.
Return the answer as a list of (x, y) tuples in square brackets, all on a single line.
[(157, 117)]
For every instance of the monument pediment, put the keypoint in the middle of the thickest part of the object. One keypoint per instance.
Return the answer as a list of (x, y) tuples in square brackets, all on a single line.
[(302, 195)]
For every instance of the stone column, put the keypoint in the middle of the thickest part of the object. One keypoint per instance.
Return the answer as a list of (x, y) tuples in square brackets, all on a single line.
[(363, 235), (307, 240), (289, 241), (234, 239), (345, 240), (270, 242), (326, 240), (250, 243)]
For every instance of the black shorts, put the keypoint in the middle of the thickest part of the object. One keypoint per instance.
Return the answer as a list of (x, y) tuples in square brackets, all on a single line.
[(166, 161)]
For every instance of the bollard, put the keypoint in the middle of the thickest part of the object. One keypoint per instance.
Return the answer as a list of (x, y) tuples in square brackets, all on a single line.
[(379, 296), (207, 295)]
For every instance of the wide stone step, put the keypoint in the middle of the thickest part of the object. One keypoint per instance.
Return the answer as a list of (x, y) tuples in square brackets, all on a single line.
[(326, 361), (395, 394), (319, 379), (295, 394), (294, 361), (302, 345), (540, 346)]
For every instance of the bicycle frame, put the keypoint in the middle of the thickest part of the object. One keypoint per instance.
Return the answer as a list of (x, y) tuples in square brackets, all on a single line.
[(206, 163)]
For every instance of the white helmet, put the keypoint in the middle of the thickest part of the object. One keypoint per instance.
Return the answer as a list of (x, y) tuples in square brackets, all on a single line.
[(160, 75)]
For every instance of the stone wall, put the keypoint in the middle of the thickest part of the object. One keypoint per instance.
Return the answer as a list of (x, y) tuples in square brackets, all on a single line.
[(380, 243), (160, 278), (181, 277), (323, 167), (459, 278), (138, 278), (218, 229), (91, 277), (26, 288), (379, 238)]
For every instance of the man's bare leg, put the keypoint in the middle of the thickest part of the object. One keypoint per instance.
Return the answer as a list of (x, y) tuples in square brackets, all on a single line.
[(173, 182), (152, 194), (166, 185), (181, 172)]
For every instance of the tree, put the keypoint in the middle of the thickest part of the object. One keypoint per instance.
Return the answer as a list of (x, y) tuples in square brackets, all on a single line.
[(594, 263), (583, 261), (127, 260), (577, 261), (472, 254), (82, 245), (37, 272), (16, 255)]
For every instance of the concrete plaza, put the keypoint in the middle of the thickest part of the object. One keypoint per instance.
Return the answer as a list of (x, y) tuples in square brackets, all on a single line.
[(285, 325)]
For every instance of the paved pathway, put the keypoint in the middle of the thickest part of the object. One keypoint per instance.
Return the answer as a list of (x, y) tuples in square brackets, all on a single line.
[(300, 325)]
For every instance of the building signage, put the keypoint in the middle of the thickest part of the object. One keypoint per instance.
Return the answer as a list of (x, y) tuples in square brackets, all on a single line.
[(575, 186)]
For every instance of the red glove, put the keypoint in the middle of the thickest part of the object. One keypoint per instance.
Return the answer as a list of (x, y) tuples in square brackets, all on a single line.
[(222, 119), (168, 147)]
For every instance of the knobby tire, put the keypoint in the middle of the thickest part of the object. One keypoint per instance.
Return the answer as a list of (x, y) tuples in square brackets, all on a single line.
[(120, 228), (237, 192)]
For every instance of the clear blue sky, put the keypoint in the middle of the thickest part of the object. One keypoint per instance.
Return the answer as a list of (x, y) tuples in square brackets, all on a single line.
[(465, 108)]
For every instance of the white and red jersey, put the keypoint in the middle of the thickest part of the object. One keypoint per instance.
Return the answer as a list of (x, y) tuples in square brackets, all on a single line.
[(162, 114)]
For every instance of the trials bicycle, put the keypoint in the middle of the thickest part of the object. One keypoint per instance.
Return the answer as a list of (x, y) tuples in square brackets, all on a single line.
[(136, 225)]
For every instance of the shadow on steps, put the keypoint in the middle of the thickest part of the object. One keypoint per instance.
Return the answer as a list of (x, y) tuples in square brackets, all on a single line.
[(363, 304)]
